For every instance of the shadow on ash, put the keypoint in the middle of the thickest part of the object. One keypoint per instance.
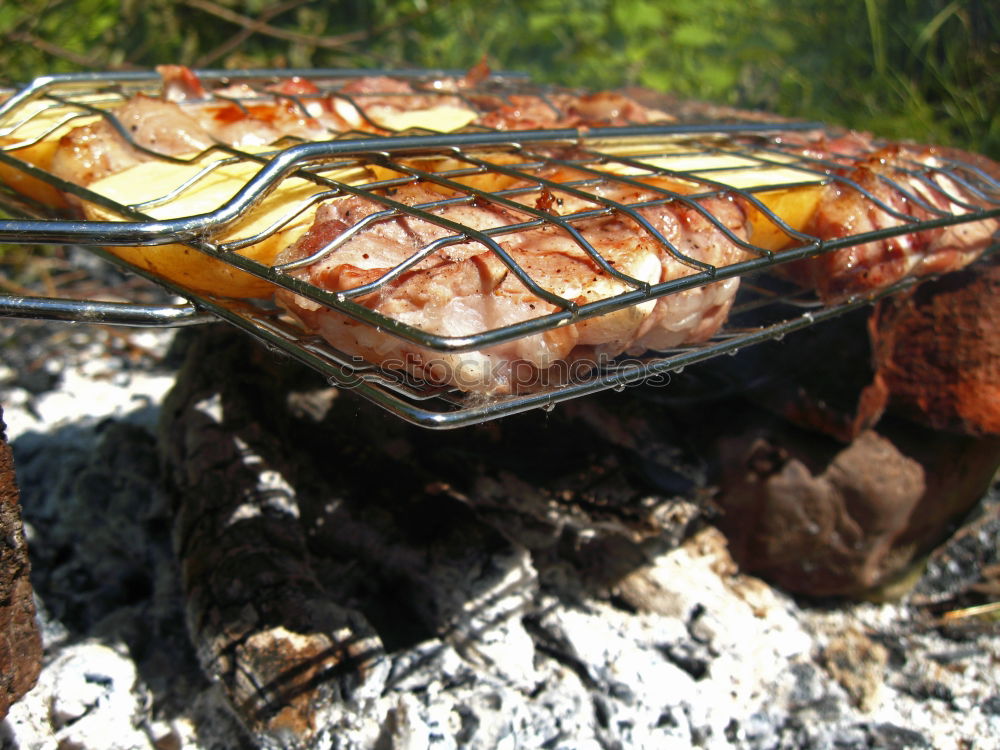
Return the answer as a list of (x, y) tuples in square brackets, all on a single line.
[(277, 564)]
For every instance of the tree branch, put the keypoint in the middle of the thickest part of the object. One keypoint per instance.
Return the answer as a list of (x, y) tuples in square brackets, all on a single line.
[(260, 27), (245, 33), (84, 61)]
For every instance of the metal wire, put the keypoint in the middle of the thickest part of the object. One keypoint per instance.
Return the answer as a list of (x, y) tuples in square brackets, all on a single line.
[(599, 160)]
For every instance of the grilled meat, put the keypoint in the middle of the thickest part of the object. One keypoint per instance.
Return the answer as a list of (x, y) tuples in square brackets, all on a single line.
[(188, 118), (457, 286), (874, 189)]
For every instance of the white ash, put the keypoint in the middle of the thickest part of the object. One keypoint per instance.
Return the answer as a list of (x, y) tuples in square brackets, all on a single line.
[(695, 655), (86, 697)]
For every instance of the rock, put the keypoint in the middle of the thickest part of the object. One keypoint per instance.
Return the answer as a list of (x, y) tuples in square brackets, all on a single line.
[(20, 641), (810, 517), (875, 452), (820, 519), (937, 350)]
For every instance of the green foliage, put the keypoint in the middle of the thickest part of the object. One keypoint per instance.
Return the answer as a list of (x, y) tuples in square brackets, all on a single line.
[(919, 69)]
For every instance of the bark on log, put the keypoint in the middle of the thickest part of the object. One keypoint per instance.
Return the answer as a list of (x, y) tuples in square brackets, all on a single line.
[(20, 642), (261, 622), (320, 538)]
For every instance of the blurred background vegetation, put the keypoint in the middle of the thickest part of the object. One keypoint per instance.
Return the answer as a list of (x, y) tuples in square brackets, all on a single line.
[(920, 69)]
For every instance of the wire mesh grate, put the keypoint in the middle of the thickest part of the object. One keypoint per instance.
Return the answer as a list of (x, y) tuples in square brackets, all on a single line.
[(557, 181)]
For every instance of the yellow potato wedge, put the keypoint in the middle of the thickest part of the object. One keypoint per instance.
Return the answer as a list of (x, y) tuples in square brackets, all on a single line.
[(288, 211), (487, 180), (794, 205), (440, 119), (31, 133)]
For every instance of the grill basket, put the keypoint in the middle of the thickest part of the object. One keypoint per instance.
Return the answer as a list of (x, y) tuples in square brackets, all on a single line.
[(718, 158)]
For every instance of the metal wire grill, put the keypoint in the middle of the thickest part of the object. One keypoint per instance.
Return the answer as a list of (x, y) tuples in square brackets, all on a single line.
[(524, 173)]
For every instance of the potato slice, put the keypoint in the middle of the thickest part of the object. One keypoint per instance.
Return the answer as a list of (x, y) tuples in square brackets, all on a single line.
[(289, 205), (488, 180), (794, 205), (31, 133), (440, 119)]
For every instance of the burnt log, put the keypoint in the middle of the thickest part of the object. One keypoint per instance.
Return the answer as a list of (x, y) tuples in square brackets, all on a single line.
[(331, 555), (20, 641), (261, 622)]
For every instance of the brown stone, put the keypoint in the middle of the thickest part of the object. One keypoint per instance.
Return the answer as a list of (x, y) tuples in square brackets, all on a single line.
[(821, 519), (20, 642), (937, 350), (886, 433)]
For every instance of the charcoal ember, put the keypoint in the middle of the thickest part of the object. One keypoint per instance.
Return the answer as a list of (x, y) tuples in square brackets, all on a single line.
[(959, 567), (20, 642), (893, 737), (822, 519), (937, 351)]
